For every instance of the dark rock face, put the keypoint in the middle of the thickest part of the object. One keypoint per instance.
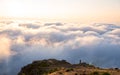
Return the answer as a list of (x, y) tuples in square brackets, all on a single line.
[(43, 67)]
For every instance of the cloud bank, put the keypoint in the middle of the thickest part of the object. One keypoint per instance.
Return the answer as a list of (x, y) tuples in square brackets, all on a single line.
[(21, 43)]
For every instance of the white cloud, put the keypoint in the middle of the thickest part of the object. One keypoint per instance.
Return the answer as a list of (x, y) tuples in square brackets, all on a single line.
[(72, 42)]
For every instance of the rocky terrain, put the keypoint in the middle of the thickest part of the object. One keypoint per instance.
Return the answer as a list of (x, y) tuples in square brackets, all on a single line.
[(62, 67)]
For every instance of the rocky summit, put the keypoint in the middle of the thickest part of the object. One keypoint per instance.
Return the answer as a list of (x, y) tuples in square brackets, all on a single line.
[(62, 67)]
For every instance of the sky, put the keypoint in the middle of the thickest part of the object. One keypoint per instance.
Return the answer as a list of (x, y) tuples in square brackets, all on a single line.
[(87, 10)]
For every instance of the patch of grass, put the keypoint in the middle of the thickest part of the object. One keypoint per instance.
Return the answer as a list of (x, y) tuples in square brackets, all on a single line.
[(95, 73), (53, 70), (106, 73), (23, 73), (60, 73), (69, 69)]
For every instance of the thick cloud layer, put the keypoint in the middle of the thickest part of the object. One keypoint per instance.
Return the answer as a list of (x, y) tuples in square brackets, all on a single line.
[(23, 42)]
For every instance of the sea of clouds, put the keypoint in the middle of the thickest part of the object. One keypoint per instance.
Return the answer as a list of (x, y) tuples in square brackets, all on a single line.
[(23, 42)]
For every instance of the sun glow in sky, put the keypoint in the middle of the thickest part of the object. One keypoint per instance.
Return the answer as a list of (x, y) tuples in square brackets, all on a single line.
[(103, 10)]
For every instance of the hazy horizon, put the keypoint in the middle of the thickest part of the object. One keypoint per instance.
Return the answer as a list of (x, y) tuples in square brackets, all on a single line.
[(106, 11)]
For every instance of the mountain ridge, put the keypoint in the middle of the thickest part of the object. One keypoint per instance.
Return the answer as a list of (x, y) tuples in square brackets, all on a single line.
[(62, 67)]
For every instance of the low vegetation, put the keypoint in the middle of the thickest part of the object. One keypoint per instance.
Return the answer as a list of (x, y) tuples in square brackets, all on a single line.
[(95, 73), (62, 67), (106, 73)]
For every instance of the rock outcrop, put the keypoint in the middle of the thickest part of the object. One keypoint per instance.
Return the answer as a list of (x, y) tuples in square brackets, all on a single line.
[(43, 67), (62, 67)]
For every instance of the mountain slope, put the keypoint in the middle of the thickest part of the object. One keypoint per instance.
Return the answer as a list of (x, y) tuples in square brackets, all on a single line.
[(62, 67)]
